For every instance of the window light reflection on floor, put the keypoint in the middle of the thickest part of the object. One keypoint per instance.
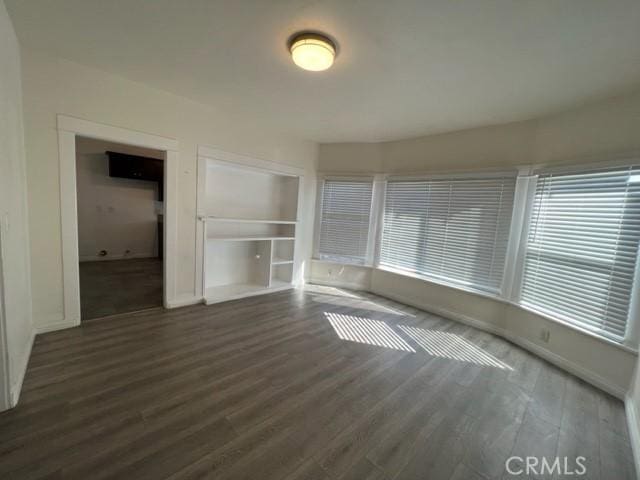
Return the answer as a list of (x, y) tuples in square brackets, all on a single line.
[(450, 345), (343, 298), (365, 330)]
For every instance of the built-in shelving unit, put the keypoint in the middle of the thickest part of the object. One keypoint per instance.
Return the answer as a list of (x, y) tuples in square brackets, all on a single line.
[(236, 238), (250, 222)]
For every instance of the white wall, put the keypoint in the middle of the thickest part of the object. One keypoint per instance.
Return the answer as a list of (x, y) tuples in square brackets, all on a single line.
[(14, 242), (597, 132), (118, 215), (53, 86), (594, 132)]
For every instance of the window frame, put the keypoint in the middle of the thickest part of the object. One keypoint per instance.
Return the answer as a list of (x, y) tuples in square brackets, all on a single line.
[(632, 334), (321, 179), (468, 175)]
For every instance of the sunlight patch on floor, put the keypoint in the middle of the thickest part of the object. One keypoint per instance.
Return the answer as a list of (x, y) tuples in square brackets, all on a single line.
[(452, 346), (367, 331), (313, 288), (344, 298)]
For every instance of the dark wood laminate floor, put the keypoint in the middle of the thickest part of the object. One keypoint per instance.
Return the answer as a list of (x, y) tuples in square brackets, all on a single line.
[(119, 286), (312, 384)]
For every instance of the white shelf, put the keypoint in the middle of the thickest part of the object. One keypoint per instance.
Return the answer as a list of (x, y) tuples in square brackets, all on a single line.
[(249, 229), (277, 285), (250, 220), (247, 238), (222, 293), (281, 261)]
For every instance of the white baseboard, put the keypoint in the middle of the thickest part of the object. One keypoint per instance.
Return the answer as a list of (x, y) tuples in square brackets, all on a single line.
[(569, 366), (118, 256), (338, 284), (634, 434), (50, 327), (16, 387), (552, 357), (184, 301)]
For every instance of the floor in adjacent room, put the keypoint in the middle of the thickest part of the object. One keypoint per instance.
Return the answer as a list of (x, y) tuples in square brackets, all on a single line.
[(119, 286), (305, 384)]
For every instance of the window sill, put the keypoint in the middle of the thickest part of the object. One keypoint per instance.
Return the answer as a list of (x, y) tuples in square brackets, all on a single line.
[(577, 328), (624, 347), (473, 291), (342, 263)]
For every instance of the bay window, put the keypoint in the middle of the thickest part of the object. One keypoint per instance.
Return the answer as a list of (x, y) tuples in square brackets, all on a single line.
[(454, 230), (582, 247)]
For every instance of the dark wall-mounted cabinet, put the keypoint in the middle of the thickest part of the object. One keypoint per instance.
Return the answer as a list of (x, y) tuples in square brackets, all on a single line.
[(137, 168)]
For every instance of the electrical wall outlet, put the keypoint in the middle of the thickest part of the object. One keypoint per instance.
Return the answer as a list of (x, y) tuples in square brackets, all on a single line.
[(545, 335)]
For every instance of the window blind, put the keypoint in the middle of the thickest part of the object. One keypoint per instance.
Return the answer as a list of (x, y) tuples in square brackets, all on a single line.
[(344, 221), (582, 248), (455, 230)]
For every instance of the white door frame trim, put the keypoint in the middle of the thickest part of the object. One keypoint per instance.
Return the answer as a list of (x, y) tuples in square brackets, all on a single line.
[(68, 129), (5, 375)]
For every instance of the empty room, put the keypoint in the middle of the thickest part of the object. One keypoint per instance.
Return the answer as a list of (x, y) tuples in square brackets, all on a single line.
[(319, 240)]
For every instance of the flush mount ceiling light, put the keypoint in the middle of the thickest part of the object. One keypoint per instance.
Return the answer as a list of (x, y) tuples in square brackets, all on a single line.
[(312, 51)]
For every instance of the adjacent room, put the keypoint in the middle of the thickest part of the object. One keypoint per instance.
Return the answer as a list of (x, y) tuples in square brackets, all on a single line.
[(120, 227), (326, 240)]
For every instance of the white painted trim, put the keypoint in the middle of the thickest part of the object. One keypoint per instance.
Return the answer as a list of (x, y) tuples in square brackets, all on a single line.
[(170, 254), (632, 427), (317, 218), (440, 172), (379, 201), (262, 291), (592, 162), (575, 369), (16, 388), (109, 133), (338, 284), (238, 160), (297, 274), (454, 175), (69, 226), (5, 368), (435, 281), (368, 178), (185, 301), (340, 264), (201, 225), (544, 353), (376, 212), (53, 327), (68, 129), (633, 319), (514, 261)]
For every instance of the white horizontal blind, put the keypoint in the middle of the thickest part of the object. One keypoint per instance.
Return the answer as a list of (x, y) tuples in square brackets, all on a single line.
[(582, 248), (455, 230), (344, 221)]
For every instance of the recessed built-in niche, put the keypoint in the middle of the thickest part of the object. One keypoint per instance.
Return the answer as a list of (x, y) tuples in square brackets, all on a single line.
[(250, 221)]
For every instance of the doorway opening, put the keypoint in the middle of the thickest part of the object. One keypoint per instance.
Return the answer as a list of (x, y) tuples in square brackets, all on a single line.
[(120, 210)]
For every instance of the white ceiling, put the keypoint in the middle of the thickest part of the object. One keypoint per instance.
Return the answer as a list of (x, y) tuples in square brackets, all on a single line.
[(405, 68)]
